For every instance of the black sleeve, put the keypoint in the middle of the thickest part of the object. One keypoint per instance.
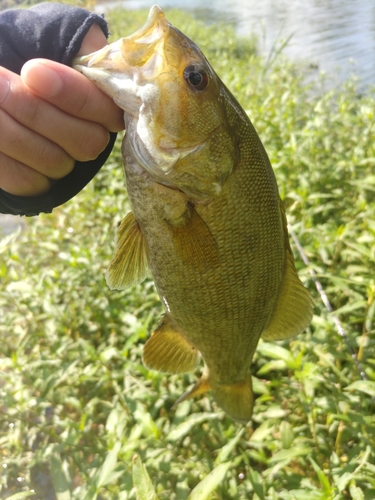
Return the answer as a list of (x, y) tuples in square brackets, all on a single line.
[(51, 31)]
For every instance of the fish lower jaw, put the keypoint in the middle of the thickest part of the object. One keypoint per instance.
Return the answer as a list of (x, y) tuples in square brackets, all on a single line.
[(156, 159), (157, 164)]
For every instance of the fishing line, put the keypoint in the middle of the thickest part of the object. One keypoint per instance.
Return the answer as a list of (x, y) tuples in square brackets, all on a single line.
[(327, 303)]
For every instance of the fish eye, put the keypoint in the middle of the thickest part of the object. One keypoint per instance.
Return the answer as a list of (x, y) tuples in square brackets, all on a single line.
[(196, 76)]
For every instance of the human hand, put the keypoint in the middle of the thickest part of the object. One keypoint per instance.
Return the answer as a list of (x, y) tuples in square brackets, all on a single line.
[(51, 116)]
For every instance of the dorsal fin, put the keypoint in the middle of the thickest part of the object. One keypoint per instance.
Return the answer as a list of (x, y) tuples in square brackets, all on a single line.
[(294, 308), (128, 266), (168, 351)]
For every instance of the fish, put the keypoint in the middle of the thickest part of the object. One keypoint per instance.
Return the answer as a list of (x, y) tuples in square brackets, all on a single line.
[(206, 216)]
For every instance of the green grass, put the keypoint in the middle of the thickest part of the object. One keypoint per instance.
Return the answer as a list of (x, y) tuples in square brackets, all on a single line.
[(78, 408)]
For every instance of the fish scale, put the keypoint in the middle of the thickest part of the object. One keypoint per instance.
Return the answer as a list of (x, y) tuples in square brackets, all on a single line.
[(206, 215)]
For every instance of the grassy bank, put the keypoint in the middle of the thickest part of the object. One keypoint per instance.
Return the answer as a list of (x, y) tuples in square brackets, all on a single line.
[(76, 402)]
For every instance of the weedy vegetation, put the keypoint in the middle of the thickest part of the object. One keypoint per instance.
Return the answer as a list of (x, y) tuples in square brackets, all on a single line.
[(82, 418)]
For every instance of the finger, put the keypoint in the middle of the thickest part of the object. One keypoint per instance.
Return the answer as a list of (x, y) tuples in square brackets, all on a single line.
[(31, 149), (21, 180), (72, 92), (93, 41), (81, 139)]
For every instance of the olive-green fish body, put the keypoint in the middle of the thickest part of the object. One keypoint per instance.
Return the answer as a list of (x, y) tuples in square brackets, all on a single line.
[(206, 215)]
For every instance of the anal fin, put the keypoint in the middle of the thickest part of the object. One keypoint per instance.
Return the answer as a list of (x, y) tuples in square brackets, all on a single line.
[(199, 388), (128, 266), (168, 351)]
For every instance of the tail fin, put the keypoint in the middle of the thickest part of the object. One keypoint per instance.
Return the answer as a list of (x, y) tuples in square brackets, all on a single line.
[(237, 400)]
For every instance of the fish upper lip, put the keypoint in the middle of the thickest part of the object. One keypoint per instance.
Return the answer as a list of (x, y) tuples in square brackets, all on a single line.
[(154, 14)]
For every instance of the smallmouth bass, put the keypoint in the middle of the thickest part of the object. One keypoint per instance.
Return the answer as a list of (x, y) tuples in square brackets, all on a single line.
[(206, 214)]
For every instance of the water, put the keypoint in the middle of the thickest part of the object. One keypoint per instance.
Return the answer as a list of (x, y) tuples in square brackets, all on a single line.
[(10, 223), (336, 36)]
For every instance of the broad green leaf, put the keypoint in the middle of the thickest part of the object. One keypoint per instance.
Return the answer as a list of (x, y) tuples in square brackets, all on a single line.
[(324, 481), (366, 386), (287, 434), (275, 351), (359, 304), (356, 493), (265, 429), (62, 481), (304, 495), (275, 365), (361, 249), (259, 386), (227, 449), (210, 482), (144, 419), (5, 241), (274, 412), (142, 481), (289, 454), (21, 495), (20, 286), (343, 480), (109, 464), (257, 483), (116, 421), (103, 474), (182, 429)]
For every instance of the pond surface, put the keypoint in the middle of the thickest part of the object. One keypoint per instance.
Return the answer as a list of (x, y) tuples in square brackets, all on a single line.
[(338, 36), (10, 223)]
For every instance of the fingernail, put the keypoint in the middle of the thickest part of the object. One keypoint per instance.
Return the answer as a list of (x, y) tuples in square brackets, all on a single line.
[(4, 88), (41, 78)]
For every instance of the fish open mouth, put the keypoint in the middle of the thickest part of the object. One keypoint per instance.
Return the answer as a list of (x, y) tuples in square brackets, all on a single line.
[(124, 67)]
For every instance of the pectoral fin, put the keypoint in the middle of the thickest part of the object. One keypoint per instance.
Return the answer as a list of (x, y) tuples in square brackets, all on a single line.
[(294, 308), (194, 241), (128, 266), (168, 351)]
